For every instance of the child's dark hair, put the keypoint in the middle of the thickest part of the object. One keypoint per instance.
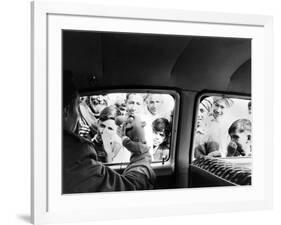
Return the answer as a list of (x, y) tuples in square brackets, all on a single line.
[(129, 94), (240, 125), (162, 125), (109, 112)]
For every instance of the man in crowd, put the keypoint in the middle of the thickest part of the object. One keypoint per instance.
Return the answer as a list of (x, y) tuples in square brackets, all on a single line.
[(219, 106), (153, 102), (134, 104), (82, 172), (217, 126), (89, 109)]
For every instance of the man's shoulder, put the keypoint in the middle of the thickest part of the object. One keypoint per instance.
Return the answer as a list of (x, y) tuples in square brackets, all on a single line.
[(75, 138), (72, 142), (75, 147)]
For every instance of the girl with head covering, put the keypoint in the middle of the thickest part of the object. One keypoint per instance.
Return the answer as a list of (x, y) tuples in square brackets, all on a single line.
[(203, 146)]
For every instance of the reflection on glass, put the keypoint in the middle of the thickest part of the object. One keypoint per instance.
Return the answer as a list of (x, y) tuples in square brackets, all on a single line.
[(103, 117)]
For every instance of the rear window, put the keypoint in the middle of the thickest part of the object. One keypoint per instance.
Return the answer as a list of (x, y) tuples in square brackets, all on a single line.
[(102, 118)]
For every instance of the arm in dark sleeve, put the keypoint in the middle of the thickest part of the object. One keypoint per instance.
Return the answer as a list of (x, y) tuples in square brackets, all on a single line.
[(212, 146), (208, 148), (199, 151), (89, 175), (136, 148), (140, 159)]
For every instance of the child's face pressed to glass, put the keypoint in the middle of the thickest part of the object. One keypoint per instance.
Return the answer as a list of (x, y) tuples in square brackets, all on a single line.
[(109, 127), (243, 139), (158, 138)]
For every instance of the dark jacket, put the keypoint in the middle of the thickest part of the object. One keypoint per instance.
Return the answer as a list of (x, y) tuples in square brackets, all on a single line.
[(82, 172)]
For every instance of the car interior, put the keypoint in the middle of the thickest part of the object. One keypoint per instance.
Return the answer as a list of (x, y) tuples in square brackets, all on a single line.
[(186, 69)]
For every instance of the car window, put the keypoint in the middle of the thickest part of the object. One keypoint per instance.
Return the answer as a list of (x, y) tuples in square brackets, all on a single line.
[(223, 127), (102, 119), (222, 142)]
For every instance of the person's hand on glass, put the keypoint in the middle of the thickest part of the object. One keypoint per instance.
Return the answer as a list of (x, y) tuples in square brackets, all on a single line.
[(112, 144)]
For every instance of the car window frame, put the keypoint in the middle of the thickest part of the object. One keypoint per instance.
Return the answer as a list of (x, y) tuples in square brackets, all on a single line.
[(160, 167), (196, 107)]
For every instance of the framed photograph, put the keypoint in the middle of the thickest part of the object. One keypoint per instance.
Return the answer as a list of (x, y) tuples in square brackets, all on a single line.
[(140, 112)]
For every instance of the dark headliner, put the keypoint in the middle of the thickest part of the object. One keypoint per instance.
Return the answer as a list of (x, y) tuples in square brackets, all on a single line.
[(146, 60)]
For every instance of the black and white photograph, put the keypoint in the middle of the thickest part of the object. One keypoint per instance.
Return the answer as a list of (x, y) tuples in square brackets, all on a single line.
[(145, 112), (155, 111)]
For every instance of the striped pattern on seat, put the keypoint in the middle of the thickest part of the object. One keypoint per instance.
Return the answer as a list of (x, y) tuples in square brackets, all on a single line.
[(232, 172)]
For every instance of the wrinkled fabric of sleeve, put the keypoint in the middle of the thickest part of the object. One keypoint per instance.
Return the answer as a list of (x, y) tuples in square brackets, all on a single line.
[(83, 173)]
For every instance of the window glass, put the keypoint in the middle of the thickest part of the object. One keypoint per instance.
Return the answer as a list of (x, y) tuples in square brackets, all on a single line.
[(106, 119), (222, 141), (223, 127)]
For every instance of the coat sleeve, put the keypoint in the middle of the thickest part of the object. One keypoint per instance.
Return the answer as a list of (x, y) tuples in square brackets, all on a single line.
[(199, 151), (89, 175)]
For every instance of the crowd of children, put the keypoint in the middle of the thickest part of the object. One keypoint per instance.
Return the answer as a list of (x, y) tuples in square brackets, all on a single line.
[(223, 128), (103, 117)]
